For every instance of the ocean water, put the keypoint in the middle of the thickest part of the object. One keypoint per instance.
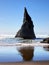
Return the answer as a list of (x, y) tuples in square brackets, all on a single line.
[(19, 50)]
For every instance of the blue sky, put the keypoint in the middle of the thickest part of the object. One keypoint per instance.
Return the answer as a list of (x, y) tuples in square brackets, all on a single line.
[(11, 15)]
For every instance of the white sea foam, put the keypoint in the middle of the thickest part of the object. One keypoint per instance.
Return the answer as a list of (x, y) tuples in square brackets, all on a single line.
[(25, 44), (13, 42), (2, 36), (42, 35)]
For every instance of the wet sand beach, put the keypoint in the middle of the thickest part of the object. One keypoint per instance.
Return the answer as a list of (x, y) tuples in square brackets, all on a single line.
[(27, 63)]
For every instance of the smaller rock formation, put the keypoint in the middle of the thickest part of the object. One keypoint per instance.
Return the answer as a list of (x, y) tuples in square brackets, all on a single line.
[(46, 40), (46, 48), (27, 29)]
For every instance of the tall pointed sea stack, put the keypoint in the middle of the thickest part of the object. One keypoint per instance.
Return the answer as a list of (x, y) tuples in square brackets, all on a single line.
[(27, 29)]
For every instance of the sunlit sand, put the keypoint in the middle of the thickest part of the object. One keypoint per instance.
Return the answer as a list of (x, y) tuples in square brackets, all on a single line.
[(27, 63)]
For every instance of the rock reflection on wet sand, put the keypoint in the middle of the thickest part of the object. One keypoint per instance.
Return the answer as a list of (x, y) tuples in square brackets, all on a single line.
[(27, 53)]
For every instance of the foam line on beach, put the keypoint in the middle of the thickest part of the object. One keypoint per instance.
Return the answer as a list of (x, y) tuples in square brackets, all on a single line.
[(25, 44)]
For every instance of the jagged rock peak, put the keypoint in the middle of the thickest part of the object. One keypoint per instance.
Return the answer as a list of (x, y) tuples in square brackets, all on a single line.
[(25, 12), (27, 28), (26, 15)]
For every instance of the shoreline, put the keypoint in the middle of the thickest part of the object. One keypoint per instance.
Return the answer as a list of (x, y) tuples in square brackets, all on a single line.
[(25, 44), (26, 63)]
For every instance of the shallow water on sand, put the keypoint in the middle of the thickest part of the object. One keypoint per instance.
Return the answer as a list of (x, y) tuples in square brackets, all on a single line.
[(22, 53)]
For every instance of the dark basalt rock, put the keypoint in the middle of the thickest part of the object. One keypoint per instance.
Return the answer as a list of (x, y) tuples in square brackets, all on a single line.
[(46, 48), (27, 29), (46, 40)]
